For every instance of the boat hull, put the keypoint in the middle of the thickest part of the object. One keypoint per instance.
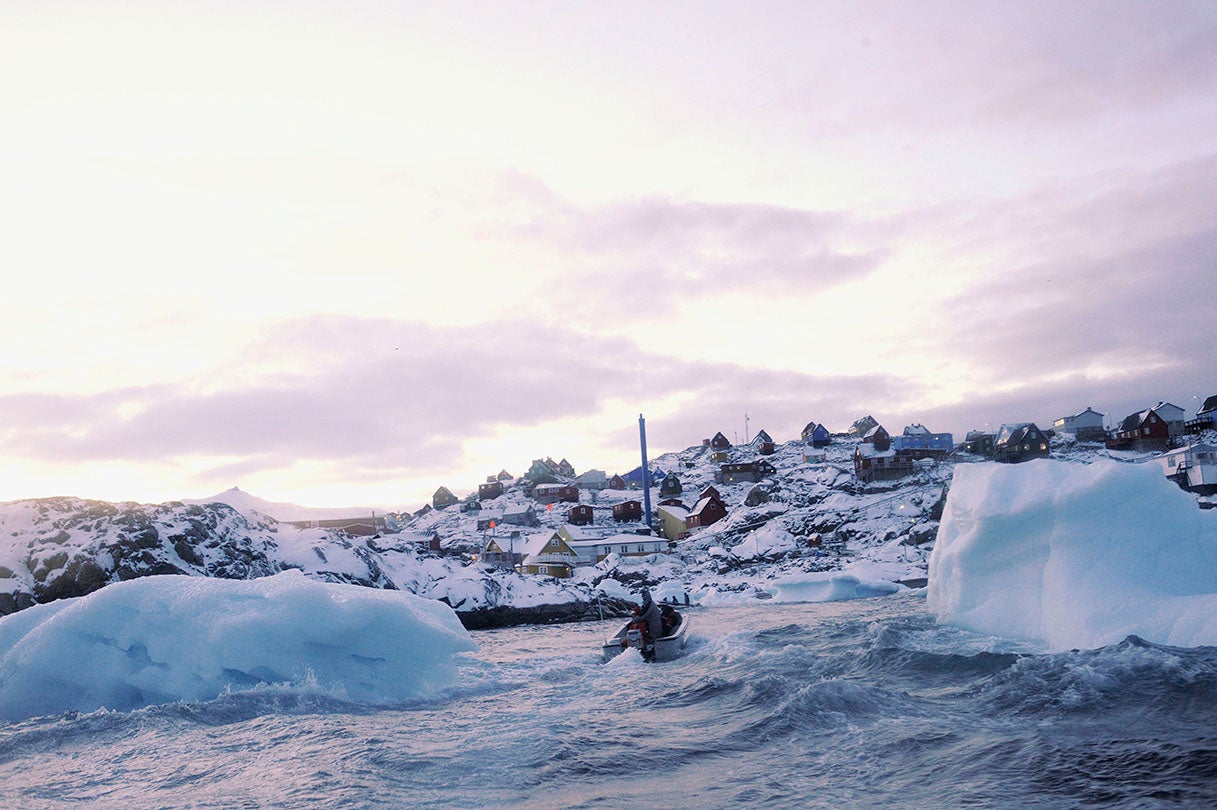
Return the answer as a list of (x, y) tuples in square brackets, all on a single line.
[(666, 648)]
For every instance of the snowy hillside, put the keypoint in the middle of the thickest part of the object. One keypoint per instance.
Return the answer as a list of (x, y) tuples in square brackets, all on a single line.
[(816, 530), (65, 547)]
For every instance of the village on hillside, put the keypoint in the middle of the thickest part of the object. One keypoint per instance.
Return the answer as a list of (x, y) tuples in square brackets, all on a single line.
[(551, 519)]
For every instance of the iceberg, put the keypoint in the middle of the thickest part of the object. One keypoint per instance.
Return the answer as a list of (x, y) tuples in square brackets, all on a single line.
[(1075, 556), (828, 586), (179, 638)]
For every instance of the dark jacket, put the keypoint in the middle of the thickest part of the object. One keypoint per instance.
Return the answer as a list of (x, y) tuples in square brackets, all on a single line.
[(649, 613)]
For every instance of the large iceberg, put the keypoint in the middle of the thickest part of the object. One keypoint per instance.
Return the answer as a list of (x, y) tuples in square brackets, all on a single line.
[(1075, 556), (180, 638)]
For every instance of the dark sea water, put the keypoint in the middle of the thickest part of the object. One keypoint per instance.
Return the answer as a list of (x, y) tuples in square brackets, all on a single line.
[(849, 704)]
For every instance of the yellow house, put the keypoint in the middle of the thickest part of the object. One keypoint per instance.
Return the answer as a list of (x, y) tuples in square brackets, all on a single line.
[(547, 553), (673, 521)]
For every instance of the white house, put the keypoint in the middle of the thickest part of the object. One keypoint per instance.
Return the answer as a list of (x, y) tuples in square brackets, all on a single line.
[(629, 545), (1172, 415), (1193, 467), (1086, 426), (592, 479)]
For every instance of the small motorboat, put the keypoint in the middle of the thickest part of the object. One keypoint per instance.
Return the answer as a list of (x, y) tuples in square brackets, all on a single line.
[(666, 648)]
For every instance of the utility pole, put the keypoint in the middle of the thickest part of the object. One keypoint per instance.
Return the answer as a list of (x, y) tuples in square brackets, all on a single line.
[(646, 472), (746, 437)]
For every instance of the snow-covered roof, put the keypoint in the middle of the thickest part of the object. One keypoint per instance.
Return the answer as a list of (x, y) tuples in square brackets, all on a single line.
[(675, 511), (1134, 420), (868, 450), (1010, 430), (917, 429), (581, 533), (536, 543)]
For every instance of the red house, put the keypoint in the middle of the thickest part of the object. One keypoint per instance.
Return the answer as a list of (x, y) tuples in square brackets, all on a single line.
[(627, 511), (879, 437), (580, 515), (707, 511), (1143, 432), (556, 493)]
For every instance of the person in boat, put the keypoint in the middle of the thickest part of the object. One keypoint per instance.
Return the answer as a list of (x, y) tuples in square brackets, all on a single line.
[(648, 613), (670, 619)]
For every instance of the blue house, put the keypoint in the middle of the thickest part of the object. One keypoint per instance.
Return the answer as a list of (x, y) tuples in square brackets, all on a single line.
[(918, 442), (816, 435), (633, 479)]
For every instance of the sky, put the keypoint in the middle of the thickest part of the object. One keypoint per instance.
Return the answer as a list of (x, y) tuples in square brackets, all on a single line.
[(342, 253)]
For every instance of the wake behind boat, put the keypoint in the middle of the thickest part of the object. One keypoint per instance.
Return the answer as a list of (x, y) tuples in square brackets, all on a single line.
[(633, 635)]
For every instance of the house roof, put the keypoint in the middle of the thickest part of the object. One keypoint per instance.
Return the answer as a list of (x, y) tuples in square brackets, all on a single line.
[(581, 533), (761, 436), (1015, 432), (916, 429), (867, 450), (867, 421), (618, 539), (678, 512), (536, 543), (701, 505), (1210, 404), (1134, 420)]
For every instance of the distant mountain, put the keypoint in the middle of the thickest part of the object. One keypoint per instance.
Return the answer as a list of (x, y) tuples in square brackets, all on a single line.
[(253, 506)]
